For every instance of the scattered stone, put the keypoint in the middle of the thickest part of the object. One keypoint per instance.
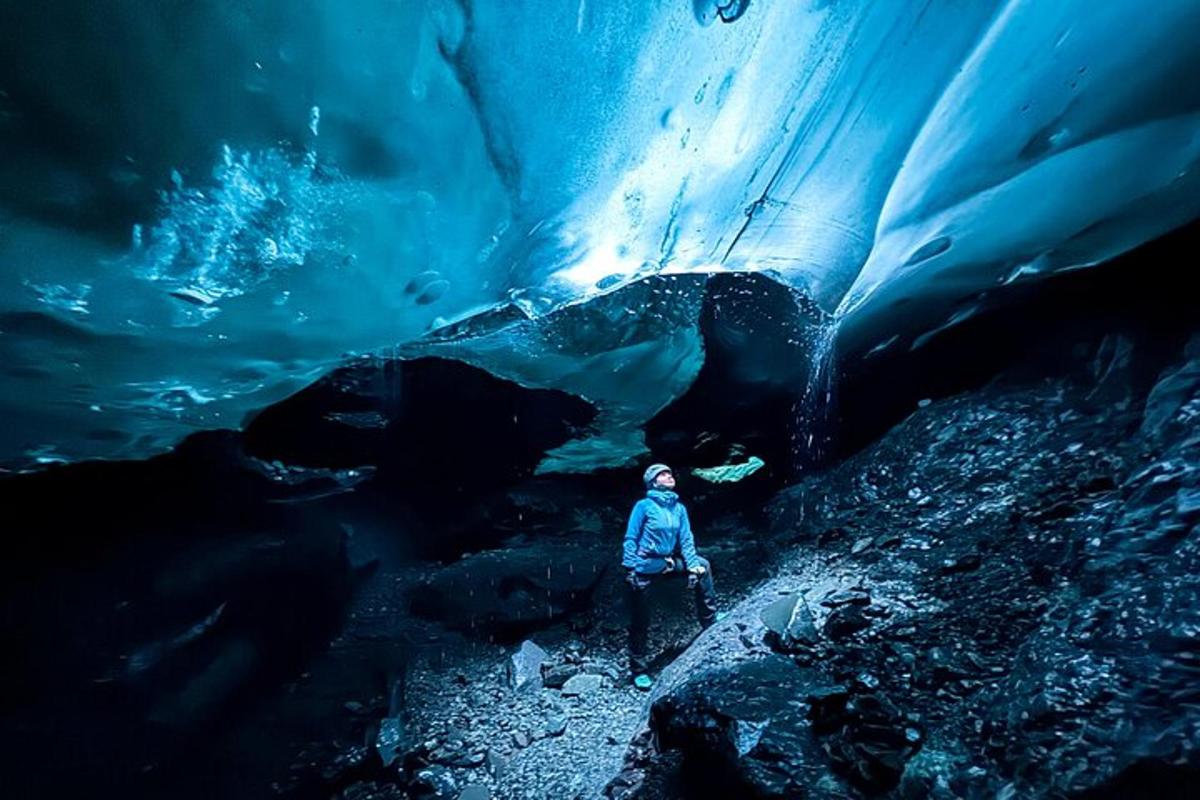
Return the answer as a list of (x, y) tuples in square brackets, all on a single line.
[(521, 739), (890, 539), (346, 764), (858, 597), (555, 724), (474, 792), (465, 759), (966, 563), (496, 763)]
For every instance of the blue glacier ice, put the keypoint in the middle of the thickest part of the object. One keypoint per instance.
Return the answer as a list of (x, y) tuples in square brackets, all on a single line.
[(203, 207)]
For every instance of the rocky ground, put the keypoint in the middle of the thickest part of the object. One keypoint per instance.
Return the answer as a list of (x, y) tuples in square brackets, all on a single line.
[(997, 599)]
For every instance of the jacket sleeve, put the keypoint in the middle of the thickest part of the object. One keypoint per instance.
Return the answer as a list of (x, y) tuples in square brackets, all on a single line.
[(629, 559), (687, 545)]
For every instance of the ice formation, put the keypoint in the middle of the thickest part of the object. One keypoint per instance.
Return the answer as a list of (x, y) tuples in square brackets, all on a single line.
[(189, 233)]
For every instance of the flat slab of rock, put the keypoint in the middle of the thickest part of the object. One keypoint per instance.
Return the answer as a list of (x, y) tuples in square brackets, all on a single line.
[(582, 685)]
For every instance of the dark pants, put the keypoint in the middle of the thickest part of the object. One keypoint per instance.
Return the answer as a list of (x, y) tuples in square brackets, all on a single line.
[(639, 606)]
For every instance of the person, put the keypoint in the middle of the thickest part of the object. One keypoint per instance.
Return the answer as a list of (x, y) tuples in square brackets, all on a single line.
[(659, 544)]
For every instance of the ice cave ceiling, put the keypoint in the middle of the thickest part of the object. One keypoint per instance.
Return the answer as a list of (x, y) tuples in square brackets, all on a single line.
[(203, 207)]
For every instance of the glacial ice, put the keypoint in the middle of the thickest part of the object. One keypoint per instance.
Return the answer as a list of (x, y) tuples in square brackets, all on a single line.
[(190, 232)]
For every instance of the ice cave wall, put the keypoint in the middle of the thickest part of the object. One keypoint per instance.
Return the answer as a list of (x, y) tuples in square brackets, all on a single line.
[(206, 206)]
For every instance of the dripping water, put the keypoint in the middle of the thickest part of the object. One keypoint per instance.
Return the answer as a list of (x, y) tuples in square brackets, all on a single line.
[(815, 409)]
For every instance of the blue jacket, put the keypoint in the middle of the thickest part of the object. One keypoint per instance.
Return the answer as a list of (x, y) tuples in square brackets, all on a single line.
[(658, 527)]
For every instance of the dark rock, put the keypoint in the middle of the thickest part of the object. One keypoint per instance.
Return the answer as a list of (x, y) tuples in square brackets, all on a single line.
[(391, 740), (790, 622), (845, 621), (459, 758), (372, 790), (827, 708), (1173, 391), (944, 666), (347, 765), (889, 539), (554, 676), (498, 427)]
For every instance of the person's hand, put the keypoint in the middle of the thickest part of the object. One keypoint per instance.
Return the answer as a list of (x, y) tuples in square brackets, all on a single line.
[(697, 570), (670, 565)]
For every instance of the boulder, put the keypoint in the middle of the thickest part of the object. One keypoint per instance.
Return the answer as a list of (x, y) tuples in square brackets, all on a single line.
[(525, 666), (507, 594), (1175, 389), (740, 727)]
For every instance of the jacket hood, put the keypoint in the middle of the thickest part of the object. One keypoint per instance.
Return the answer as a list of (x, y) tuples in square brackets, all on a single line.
[(663, 497)]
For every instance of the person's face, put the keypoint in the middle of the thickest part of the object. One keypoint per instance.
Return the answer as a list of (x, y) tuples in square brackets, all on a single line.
[(665, 480)]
